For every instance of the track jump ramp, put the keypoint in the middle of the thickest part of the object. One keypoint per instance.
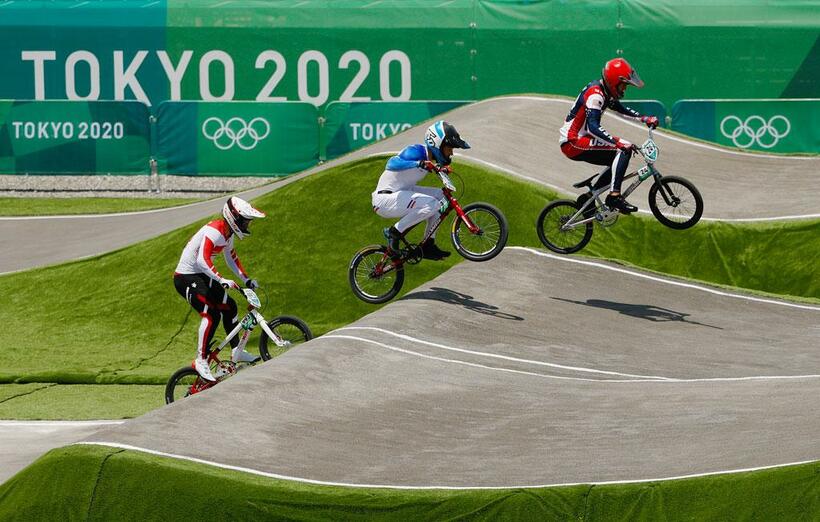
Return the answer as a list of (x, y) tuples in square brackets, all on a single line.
[(527, 370)]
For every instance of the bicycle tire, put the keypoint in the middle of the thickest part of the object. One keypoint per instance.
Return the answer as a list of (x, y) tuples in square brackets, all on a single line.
[(302, 334), (365, 284), (683, 192), (492, 236), (176, 381), (550, 238)]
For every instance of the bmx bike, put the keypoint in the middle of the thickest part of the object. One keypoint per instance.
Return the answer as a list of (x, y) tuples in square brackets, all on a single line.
[(278, 335), (565, 226), (479, 233)]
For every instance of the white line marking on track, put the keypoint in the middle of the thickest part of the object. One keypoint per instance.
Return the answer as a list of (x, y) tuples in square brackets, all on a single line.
[(389, 486), (476, 365), (657, 132), (504, 357), (59, 424), (566, 192), (636, 379), (662, 280)]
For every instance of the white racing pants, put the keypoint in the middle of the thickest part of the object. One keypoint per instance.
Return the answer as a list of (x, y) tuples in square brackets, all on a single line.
[(412, 206)]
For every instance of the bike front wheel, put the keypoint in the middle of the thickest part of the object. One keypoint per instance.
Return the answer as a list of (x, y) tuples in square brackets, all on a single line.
[(490, 238), (374, 277), (675, 202), (183, 383), (290, 329), (550, 227)]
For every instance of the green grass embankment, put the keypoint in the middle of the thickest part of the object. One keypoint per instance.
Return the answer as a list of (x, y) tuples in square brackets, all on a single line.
[(113, 318), (67, 206), (103, 483), (52, 401)]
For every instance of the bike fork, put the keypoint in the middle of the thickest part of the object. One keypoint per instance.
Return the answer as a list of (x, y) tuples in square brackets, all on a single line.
[(268, 330), (474, 229), (666, 194)]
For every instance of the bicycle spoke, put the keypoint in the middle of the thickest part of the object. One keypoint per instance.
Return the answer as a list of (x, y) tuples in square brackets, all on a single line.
[(683, 204), (553, 227), (488, 236), (368, 281)]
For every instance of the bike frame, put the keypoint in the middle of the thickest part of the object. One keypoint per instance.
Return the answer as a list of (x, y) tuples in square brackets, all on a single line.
[(452, 204), (649, 152), (246, 326)]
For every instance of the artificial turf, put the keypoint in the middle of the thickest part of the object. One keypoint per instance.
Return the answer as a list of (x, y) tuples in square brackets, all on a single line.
[(85, 482), (51, 401)]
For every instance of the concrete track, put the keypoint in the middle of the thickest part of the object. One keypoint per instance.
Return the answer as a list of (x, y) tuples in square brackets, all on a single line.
[(526, 370), (22, 442), (515, 134)]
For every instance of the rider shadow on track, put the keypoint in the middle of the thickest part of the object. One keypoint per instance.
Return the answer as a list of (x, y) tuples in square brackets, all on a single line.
[(652, 313), (445, 295)]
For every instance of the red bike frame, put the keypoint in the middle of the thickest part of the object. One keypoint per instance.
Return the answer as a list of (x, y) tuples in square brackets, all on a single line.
[(452, 204)]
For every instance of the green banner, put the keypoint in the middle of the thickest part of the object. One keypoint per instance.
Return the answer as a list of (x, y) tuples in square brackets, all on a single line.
[(316, 51), (237, 138), (349, 126), (764, 125), (649, 108), (74, 137)]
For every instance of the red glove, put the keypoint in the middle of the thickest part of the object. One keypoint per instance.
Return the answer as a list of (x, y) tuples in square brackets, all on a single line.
[(623, 144), (445, 169), (650, 121), (427, 165)]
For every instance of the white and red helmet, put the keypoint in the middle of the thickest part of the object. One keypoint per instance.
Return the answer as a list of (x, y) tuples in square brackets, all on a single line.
[(238, 213)]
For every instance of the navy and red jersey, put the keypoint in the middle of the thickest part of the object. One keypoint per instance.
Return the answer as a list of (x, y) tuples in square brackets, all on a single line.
[(584, 120)]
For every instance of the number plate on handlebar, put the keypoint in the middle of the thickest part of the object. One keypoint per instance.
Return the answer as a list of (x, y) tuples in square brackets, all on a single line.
[(649, 151), (252, 298), (445, 179)]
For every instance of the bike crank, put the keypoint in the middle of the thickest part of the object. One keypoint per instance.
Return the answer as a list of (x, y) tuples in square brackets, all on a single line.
[(412, 254), (606, 218)]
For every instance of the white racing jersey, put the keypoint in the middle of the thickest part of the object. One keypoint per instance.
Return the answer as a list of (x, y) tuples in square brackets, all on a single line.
[(197, 257)]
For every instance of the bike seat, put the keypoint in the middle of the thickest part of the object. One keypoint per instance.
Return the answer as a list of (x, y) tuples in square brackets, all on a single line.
[(586, 183)]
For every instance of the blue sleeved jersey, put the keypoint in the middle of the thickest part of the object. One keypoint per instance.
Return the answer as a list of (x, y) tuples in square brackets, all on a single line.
[(402, 171), (408, 158)]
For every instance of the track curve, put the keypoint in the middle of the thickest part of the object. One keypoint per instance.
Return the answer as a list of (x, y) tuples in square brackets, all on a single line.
[(527, 370), (516, 134)]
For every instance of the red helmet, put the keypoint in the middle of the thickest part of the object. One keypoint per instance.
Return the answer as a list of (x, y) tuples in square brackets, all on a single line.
[(617, 73)]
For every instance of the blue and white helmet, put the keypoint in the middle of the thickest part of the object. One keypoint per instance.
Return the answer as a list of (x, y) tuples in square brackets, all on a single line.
[(442, 133)]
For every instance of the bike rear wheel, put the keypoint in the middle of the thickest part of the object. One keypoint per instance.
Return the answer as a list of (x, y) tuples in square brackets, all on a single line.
[(374, 276), (183, 383), (675, 202), (491, 237), (290, 329), (552, 218)]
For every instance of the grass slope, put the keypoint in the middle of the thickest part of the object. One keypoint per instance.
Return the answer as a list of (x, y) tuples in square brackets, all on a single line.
[(66, 206), (50, 401), (102, 483), (117, 319)]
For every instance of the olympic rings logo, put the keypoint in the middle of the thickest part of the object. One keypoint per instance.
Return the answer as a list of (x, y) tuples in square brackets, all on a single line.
[(755, 130), (236, 131)]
